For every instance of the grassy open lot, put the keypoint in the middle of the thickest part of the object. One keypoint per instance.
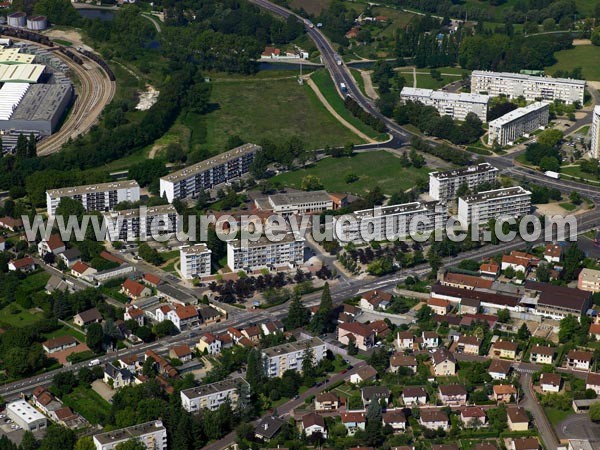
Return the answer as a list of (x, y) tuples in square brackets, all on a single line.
[(89, 404), (584, 56), (397, 20), (378, 168), (16, 316), (33, 283), (65, 330), (555, 416), (311, 6), (577, 172)]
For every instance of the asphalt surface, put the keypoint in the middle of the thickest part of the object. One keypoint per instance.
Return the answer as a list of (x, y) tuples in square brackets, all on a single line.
[(541, 422)]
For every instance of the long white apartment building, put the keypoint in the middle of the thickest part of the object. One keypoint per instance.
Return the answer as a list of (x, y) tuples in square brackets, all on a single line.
[(194, 261), (192, 180), (508, 202), (290, 203), (443, 185), (289, 356), (389, 223), (152, 434), (531, 87), (211, 396), (511, 126), (455, 105), (131, 224), (95, 197), (595, 145), (263, 253)]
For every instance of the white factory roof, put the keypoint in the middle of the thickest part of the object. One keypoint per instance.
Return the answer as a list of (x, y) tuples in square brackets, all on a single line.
[(11, 95), (25, 411), (24, 73), (442, 95), (515, 114), (520, 76), (14, 56)]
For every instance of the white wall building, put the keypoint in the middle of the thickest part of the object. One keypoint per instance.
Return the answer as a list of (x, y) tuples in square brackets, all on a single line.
[(531, 87), (455, 105), (152, 434), (390, 222), (95, 197), (481, 207), (211, 396), (595, 144), (297, 203), (25, 415), (263, 253), (443, 185), (511, 126), (289, 356), (194, 261), (192, 180), (130, 224)]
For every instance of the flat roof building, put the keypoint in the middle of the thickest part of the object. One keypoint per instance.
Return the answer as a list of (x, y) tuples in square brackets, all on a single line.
[(192, 180), (589, 280), (152, 434), (495, 204), (289, 356), (290, 203), (530, 87), (14, 56), (511, 126), (595, 144), (194, 261), (131, 224), (21, 73), (95, 197), (263, 253), (455, 105), (443, 185), (211, 396), (26, 416)]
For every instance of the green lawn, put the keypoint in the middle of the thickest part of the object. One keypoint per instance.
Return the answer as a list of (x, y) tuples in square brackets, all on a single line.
[(378, 168), (65, 330), (89, 404), (428, 82), (359, 80), (14, 315), (577, 172), (568, 206), (584, 56), (555, 416)]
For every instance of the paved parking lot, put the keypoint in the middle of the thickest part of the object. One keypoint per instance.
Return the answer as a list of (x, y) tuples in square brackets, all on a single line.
[(578, 426)]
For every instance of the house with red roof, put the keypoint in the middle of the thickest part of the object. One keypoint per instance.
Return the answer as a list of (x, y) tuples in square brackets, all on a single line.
[(26, 264), (151, 280), (184, 317), (80, 269), (54, 245), (135, 290), (181, 352), (362, 335)]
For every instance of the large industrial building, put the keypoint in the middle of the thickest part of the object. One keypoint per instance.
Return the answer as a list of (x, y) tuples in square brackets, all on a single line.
[(511, 126), (131, 224), (25, 415), (95, 197), (194, 261), (263, 253), (481, 207), (595, 145), (455, 105), (530, 87), (289, 356), (152, 434), (443, 185), (205, 175)]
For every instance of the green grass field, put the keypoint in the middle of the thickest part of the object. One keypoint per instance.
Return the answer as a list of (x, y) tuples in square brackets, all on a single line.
[(378, 168), (577, 172), (65, 330), (584, 56), (568, 206), (14, 315), (359, 80), (555, 416), (89, 404)]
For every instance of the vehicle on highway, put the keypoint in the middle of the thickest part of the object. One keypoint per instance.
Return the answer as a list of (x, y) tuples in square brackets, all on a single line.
[(343, 88), (552, 174), (94, 362)]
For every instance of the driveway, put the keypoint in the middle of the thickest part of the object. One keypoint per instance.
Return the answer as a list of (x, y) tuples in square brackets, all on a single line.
[(531, 404)]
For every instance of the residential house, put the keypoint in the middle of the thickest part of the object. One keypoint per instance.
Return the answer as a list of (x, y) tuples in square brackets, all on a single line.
[(85, 318), (505, 349), (553, 253), (595, 331), (398, 360), (434, 419), (314, 424), (364, 373), (473, 416), (80, 269), (468, 344), (593, 382), (443, 363), (132, 312), (56, 284), (164, 367), (11, 224), (519, 261), (130, 362), (550, 382), (414, 396), (59, 344), (374, 393), (268, 427), (504, 393), (530, 443), (499, 369), (272, 327), (135, 290), (53, 245), (184, 317), (579, 360), (489, 269), (439, 306), (395, 419), (209, 315), (253, 333), (209, 343), (405, 340), (70, 256), (151, 280), (375, 299), (542, 354), (181, 352), (117, 377), (359, 333), (2, 244), (430, 339), (453, 395), (26, 264), (380, 328), (518, 420), (327, 401), (469, 306), (162, 313), (353, 421)]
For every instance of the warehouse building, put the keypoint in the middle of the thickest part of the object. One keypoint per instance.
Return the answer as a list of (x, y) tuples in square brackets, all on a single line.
[(131, 224), (151, 434), (443, 185), (481, 207), (95, 197), (289, 356), (290, 203), (14, 56), (25, 415), (263, 253), (595, 145), (194, 261), (192, 180), (211, 396), (532, 88), (511, 126), (455, 105)]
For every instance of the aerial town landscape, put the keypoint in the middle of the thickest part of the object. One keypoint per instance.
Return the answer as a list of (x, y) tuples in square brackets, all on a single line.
[(300, 224)]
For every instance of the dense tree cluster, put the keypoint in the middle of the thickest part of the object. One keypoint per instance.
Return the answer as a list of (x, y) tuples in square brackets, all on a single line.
[(374, 122)]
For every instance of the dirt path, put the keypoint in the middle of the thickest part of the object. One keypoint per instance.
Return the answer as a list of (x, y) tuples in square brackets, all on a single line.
[(333, 112), (369, 89), (154, 150)]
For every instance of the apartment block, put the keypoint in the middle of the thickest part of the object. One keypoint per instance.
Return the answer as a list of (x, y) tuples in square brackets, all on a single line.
[(595, 144), (152, 434), (95, 197), (131, 224), (589, 280), (530, 87), (289, 356), (264, 253), (511, 126), (507, 202), (443, 185), (194, 261), (290, 203), (192, 180), (455, 105), (211, 396), (390, 222)]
